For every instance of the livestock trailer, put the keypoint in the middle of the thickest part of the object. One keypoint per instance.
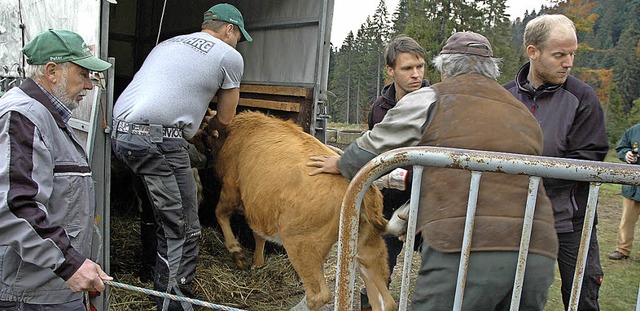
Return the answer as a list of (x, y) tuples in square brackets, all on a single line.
[(286, 66)]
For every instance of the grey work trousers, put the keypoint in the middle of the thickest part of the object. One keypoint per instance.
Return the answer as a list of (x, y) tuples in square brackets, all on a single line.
[(167, 176), (76, 305), (489, 284)]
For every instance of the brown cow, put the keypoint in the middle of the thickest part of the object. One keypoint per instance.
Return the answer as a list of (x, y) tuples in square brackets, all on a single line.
[(262, 165)]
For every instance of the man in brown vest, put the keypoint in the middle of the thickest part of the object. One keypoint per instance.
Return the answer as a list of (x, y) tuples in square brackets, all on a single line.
[(468, 110)]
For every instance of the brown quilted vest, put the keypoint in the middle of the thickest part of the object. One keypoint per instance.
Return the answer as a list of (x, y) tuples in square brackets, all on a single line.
[(475, 112)]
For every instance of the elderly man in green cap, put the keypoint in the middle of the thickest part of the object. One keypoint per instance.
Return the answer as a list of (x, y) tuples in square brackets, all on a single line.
[(47, 199), (155, 117)]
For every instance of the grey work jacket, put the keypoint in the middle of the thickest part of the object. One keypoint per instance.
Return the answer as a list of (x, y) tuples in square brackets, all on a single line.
[(47, 200)]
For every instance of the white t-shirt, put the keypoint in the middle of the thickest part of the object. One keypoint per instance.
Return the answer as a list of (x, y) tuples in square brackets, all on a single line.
[(177, 81)]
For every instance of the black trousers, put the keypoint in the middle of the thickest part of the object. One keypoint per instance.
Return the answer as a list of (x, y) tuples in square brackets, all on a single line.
[(567, 256)]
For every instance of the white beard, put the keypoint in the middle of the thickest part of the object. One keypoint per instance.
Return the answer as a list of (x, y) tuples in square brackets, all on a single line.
[(60, 92)]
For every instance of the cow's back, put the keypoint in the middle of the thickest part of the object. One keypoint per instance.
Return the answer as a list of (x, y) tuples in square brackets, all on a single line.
[(266, 158)]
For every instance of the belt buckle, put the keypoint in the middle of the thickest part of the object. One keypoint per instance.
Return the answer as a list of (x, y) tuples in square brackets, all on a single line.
[(137, 129), (155, 132)]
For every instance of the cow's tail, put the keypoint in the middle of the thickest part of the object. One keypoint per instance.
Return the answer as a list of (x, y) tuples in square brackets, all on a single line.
[(372, 209)]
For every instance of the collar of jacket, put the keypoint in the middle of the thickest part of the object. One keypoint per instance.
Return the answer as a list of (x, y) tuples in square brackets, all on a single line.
[(31, 88), (523, 83), (389, 94)]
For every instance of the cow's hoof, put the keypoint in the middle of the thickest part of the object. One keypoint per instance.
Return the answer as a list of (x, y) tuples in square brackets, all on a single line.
[(241, 260), (257, 267), (301, 306)]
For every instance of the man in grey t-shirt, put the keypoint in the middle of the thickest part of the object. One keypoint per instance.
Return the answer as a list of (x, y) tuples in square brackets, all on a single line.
[(154, 117)]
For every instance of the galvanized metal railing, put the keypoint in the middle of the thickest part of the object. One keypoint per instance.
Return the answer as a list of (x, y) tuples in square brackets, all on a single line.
[(536, 167)]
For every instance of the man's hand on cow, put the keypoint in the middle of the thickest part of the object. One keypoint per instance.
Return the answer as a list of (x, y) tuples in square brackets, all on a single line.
[(88, 278), (206, 123), (325, 164)]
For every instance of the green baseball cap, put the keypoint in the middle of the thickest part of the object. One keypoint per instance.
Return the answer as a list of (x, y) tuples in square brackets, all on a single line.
[(60, 46), (228, 13)]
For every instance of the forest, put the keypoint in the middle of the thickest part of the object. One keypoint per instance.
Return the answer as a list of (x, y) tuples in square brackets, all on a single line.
[(608, 56)]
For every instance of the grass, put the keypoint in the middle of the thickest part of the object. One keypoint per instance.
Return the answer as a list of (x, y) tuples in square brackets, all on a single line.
[(347, 126)]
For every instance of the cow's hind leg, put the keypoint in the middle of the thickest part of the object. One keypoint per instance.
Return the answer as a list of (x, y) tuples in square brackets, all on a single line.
[(227, 203), (307, 259), (258, 254), (375, 270)]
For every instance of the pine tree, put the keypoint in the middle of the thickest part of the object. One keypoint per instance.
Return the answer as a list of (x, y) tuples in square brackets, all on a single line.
[(380, 31), (497, 31), (627, 61), (400, 18), (608, 33), (340, 80)]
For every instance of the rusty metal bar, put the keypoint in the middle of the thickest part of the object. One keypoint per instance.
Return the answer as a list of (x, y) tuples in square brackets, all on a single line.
[(411, 238), (500, 162), (347, 242), (474, 160), (585, 239), (527, 226), (465, 252)]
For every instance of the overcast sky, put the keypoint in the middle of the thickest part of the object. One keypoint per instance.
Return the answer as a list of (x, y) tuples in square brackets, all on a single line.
[(348, 15)]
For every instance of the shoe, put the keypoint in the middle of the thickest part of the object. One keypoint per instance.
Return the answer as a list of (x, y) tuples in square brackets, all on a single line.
[(616, 255)]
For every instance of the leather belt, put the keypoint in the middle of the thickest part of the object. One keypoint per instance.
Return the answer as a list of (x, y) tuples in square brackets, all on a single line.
[(153, 130)]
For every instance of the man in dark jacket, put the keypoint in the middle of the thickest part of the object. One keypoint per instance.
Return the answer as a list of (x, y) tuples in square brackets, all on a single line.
[(405, 60), (494, 121), (627, 150), (573, 126)]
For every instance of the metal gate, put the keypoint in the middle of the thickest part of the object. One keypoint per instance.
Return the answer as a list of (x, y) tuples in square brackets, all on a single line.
[(477, 162)]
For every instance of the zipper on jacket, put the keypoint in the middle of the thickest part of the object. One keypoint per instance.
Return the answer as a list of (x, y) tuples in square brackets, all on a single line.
[(534, 106)]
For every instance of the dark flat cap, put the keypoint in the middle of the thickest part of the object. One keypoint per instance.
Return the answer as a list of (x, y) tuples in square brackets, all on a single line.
[(468, 42)]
